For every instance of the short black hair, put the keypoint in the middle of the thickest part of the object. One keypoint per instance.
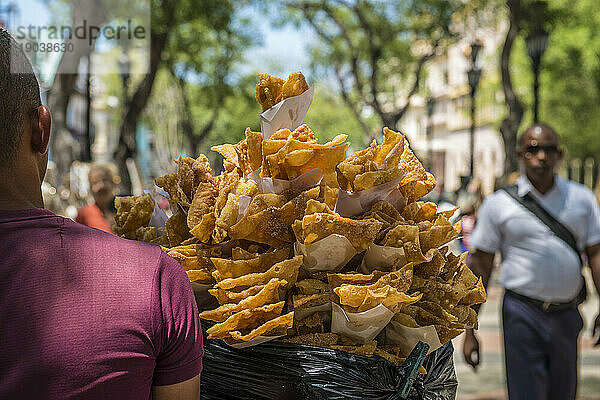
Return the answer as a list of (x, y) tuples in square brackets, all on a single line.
[(521, 138), (19, 95)]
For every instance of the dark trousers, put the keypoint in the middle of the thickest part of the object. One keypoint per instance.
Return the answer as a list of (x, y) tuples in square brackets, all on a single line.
[(540, 351)]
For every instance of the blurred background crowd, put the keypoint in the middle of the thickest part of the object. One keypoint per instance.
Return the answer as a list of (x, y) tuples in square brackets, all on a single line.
[(460, 77)]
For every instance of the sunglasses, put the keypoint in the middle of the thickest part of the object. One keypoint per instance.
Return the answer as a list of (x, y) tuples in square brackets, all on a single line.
[(549, 149)]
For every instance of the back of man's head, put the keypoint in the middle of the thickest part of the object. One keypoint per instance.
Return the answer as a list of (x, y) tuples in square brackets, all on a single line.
[(19, 96)]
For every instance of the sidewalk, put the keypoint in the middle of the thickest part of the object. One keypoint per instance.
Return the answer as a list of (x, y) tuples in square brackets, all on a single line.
[(488, 383)]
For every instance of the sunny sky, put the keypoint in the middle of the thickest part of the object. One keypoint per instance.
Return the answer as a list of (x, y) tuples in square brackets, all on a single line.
[(282, 51)]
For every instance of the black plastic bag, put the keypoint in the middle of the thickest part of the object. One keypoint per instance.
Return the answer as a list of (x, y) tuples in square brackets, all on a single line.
[(276, 370)]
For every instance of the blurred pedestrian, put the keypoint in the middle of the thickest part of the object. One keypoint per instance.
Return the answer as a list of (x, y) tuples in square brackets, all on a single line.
[(101, 213), (541, 226), (83, 314)]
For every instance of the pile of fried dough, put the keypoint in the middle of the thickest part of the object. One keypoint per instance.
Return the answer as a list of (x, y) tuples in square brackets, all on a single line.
[(238, 243)]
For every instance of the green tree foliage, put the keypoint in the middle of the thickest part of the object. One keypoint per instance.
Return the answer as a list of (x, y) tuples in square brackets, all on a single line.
[(377, 51), (569, 78)]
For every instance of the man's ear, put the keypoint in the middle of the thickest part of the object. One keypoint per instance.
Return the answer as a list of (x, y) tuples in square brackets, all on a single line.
[(40, 130)]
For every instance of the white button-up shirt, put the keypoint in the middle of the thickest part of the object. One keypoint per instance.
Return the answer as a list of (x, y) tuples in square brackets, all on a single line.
[(535, 262)]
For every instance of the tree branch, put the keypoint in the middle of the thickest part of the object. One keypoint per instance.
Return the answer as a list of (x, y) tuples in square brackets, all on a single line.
[(349, 102)]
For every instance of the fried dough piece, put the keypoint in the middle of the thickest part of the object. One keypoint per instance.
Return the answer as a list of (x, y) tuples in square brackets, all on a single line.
[(311, 286), (284, 321), (432, 268), (133, 212), (310, 300), (236, 268), (374, 165), (310, 324), (317, 226), (407, 237), (286, 270), (169, 184), (245, 319), (314, 339), (272, 225), (295, 85), (177, 229), (268, 90), (225, 296), (268, 294), (245, 155), (439, 234), (367, 349), (388, 290), (203, 203), (405, 319), (287, 155), (199, 276)]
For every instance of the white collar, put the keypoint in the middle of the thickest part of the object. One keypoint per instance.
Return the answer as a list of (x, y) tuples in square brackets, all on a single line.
[(524, 186)]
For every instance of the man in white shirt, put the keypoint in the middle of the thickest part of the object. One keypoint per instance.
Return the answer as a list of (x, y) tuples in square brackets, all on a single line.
[(540, 272)]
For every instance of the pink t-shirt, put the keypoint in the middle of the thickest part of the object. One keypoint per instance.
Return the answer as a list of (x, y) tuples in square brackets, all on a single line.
[(87, 315)]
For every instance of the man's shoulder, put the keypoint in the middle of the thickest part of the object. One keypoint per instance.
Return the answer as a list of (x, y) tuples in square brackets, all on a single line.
[(86, 237), (574, 188), (498, 198)]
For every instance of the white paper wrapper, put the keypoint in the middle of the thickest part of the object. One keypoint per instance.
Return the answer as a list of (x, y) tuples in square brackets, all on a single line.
[(253, 342), (363, 326), (407, 338), (255, 176), (288, 113), (299, 315), (350, 204), (159, 217), (328, 254), (381, 258), (244, 203), (305, 181)]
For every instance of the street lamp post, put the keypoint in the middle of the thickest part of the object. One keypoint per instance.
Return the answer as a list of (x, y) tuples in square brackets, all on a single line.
[(473, 75), (536, 46), (430, 108)]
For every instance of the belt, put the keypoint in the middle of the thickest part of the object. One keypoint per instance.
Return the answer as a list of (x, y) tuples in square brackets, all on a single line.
[(549, 306)]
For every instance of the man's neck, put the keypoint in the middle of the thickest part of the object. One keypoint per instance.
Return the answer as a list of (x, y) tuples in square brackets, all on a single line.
[(20, 190), (14, 200), (542, 185)]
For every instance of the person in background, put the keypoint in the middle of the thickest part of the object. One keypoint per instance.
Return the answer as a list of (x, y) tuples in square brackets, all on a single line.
[(101, 213), (83, 314), (541, 250)]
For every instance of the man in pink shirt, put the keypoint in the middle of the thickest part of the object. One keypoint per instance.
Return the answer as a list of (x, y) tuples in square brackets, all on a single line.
[(83, 314)]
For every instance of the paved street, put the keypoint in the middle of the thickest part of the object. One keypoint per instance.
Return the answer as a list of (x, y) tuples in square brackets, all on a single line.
[(488, 383)]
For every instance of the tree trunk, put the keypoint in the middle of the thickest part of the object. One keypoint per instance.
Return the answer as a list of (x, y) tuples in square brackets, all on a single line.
[(127, 134), (63, 147), (509, 127)]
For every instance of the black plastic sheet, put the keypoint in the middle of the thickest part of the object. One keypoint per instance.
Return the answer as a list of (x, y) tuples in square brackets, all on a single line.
[(276, 370)]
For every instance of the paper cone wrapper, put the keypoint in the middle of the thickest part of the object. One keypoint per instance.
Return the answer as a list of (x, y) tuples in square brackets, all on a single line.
[(363, 326), (329, 254), (407, 338), (303, 182), (288, 113), (381, 258), (351, 204), (159, 217)]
